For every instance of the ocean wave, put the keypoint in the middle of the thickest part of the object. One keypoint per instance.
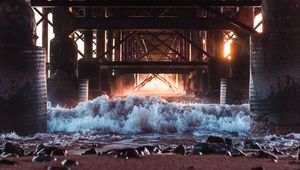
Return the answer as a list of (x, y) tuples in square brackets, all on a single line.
[(136, 115)]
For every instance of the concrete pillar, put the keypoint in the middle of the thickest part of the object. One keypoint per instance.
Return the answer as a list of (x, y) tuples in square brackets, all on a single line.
[(63, 84), (275, 68), (235, 88), (218, 66), (100, 12), (88, 36)]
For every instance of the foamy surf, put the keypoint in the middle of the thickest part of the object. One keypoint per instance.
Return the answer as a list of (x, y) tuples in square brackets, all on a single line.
[(136, 115)]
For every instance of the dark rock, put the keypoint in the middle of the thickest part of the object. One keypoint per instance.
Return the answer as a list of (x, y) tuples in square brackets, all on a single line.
[(90, 152), (9, 155), (69, 162), (10, 148), (199, 148), (43, 158), (215, 139), (234, 152), (258, 168), (205, 148), (7, 162), (168, 150), (58, 168), (109, 152), (42, 152), (39, 147), (128, 153), (298, 155), (154, 149), (59, 152), (263, 154), (180, 149), (228, 141), (249, 144), (30, 154), (277, 152), (50, 149)]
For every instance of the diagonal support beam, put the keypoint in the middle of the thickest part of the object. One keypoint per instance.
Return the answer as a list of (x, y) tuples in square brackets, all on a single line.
[(44, 16), (117, 44), (156, 48), (167, 50), (164, 43), (186, 39), (222, 16), (164, 80)]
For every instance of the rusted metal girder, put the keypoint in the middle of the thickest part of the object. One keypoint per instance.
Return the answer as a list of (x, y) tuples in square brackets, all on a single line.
[(193, 44), (167, 45), (146, 23), (144, 3), (153, 67), (222, 16), (117, 44)]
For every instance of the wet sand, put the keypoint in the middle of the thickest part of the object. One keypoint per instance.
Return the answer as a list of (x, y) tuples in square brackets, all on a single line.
[(161, 162)]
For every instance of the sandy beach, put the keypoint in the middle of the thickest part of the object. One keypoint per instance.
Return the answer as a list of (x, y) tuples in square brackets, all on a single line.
[(163, 162)]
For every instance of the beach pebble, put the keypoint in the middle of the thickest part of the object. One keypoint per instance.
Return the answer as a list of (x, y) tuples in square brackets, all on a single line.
[(39, 147), (13, 149), (7, 162), (277, 152), (154, 149), (128, 153), (58, 168), (215, 139), (9, 155), (90, 152), (236, 152), (205, 148), (180, 149), (200, 148), (169, 149), (69, 162), (298, 155), (59, 152), (30, 153), (249, 144), (262, 154), (43, 158)]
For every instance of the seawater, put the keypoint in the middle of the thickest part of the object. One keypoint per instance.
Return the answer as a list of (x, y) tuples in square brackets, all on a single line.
[(140, 115), (136, 120)]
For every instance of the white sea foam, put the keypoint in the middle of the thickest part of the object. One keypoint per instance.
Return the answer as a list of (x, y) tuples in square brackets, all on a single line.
[(136, 114)]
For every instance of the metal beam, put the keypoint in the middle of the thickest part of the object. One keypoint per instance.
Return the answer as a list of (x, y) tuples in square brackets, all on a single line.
[(200, 49), (142, 3), (148, 23), (223, 16), (173, 50), (153, 67)]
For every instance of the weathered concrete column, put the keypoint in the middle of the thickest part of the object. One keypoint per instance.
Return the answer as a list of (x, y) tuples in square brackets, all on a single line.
[(23, 93), (218, 66), (235, 88), (63, 83), (88, 36), (275, 69)]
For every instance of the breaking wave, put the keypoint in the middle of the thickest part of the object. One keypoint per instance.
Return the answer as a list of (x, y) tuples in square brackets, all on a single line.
[(135, 114)]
